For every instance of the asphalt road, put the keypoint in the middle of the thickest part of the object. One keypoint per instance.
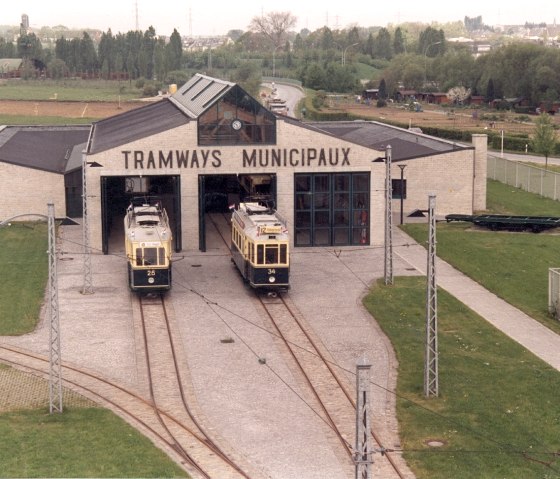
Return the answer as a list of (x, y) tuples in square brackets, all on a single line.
[(290, 93)]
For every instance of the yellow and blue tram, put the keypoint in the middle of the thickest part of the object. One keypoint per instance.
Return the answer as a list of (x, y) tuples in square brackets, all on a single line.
[(260, 247), (148, 245)]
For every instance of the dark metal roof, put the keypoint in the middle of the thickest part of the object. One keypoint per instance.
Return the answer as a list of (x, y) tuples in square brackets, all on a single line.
[(199, 93), (45, 148), (135, 124), (405, 144)]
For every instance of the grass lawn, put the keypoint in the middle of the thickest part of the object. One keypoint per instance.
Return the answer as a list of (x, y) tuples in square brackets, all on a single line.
[(22, 286), (497, 413), (69, 90), (85, 442), (512, 265)]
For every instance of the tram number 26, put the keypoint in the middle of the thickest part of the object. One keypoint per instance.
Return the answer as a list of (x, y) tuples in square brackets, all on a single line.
[(151, 272)]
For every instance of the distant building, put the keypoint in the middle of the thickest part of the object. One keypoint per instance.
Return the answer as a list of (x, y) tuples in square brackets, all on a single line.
[(24, 25)]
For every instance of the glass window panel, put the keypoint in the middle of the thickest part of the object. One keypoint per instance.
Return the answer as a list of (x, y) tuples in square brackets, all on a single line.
[(322, 218), (150, 256), (341, 182), (322, 182), (322, 237), (303, 201), (361, 200), (341, 200), (138, 256), (360, 218), (341, 218), (360, 182), (341, 236), (303, 183), (321, 200), (284, 253), (303, 237), (360, 236), (271, 254), (260, 254), (161, 259), (303, 219)]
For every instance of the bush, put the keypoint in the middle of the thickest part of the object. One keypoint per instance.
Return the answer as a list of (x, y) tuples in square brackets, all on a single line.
[(381, 103), (140, 83), (150, 90)]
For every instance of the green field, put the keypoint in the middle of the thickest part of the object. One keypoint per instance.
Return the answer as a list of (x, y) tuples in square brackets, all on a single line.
[(84, 442), (43, 120), (497, 413), (69, 90)]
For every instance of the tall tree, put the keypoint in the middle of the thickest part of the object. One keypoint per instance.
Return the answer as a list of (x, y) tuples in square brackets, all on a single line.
[(544, 138), (382, 46), (273, 25), (175, 51), (398, 42)]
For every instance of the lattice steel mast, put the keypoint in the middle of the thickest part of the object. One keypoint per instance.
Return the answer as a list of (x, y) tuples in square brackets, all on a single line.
[(364, 453), (88, 281), (388, 267), (55, 370), (431, 381)]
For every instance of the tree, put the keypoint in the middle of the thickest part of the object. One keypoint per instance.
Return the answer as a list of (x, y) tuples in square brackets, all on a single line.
[(490, 95), (382, 45), (273, 25), (174, 51), (458, 94), (382, 93), (544, 138), (398, 42), (248, 77)]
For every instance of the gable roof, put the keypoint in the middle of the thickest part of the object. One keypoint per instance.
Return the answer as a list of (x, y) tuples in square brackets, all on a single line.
[(405, 144), (135, 124), (200, 92), (46, 148)]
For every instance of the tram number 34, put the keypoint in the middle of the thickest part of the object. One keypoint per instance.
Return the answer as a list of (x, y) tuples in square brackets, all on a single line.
[(151, 272), (271, 271)]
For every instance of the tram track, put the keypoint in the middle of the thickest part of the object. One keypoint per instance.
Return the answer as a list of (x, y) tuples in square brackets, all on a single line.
[(337, 405), (168, 393), (178, 432)]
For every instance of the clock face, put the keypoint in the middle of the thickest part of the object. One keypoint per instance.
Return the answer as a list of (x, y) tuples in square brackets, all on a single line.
[(236, 125)]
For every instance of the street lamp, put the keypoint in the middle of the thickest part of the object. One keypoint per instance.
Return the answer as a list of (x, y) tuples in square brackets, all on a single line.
[(426, 59), (344, 53), (274, 60)]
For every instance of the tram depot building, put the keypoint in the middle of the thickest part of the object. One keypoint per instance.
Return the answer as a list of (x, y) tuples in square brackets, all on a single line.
[(210, 145)]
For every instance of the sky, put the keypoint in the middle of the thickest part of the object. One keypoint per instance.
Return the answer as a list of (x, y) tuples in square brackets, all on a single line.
[(219, 16)]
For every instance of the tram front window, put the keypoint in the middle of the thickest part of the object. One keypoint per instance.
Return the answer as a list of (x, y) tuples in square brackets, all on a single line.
[(272, 254)]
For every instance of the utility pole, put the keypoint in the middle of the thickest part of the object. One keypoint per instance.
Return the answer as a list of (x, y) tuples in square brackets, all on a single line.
[(431, 381), (364, 453), (388, 268), (55, 371)]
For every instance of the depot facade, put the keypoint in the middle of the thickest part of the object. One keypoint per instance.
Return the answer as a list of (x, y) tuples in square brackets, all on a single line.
[(211, 144)]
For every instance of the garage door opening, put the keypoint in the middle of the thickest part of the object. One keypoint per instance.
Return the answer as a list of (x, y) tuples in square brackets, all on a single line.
[(217, 193), (116, 195)]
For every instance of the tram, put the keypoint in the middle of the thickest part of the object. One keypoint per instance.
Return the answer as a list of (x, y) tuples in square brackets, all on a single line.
[(260, 247), (148, 243)]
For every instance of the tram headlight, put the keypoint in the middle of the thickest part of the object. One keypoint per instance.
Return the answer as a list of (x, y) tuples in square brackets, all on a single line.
[(151, 280), (271, 279)]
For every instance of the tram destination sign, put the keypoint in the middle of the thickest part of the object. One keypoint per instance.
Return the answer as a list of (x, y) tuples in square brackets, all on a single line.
[(248, 158)]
